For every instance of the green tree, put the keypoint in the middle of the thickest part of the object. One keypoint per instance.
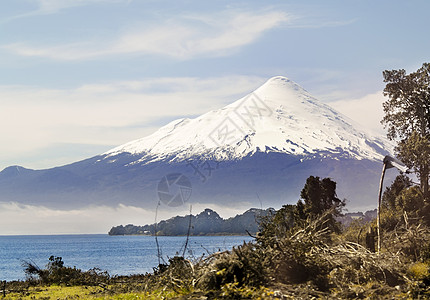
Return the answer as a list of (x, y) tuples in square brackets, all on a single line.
[(393, 191), (411, 201), (407, 118), (414, 151), (320, 196), (399, 198)]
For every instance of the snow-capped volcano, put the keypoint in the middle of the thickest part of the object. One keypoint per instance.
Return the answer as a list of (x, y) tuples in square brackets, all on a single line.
[(280, 116), (259, 148)]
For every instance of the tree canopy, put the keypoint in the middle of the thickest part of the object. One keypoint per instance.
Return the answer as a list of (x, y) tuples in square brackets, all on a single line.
[(407, 118), (408, 107), (320, 196)]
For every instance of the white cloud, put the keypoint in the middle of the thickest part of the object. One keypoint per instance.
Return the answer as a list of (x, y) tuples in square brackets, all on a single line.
[(236, 31), (26, 219), (18, 219), (33, 118), (53, 6), (366, 110), (47, 7), (178, 38)]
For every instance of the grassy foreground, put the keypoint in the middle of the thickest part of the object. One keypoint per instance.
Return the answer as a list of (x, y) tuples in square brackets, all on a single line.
[(85, 292), (129, 288)]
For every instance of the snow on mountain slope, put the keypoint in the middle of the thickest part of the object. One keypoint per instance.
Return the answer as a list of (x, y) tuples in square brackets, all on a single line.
[(280, 116)]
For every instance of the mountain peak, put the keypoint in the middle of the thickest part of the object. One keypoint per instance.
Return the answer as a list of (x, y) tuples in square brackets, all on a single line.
[(281, 82), (278, 90), (14, 170), (280, 116)]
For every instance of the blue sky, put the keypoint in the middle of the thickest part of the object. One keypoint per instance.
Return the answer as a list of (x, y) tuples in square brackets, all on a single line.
[(79, 77)]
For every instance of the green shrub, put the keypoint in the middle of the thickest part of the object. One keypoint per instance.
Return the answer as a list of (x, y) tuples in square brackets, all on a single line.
[(419, 271), (56, 273), (244, 265)]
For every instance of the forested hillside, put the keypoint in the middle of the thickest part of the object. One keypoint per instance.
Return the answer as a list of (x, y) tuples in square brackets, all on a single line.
[(208, 222)]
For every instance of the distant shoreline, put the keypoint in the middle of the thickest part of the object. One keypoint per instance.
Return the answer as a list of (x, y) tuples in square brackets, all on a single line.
[(206, 223), (184, 235)]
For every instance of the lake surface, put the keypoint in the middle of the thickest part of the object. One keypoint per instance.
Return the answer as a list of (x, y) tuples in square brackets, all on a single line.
[(119, 255)]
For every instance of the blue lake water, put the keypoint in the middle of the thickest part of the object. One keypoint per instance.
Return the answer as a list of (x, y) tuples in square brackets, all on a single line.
[(119, 255)]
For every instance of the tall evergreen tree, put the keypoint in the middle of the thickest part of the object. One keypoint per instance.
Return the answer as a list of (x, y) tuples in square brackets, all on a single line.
[(407, 118), (320, 196)]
